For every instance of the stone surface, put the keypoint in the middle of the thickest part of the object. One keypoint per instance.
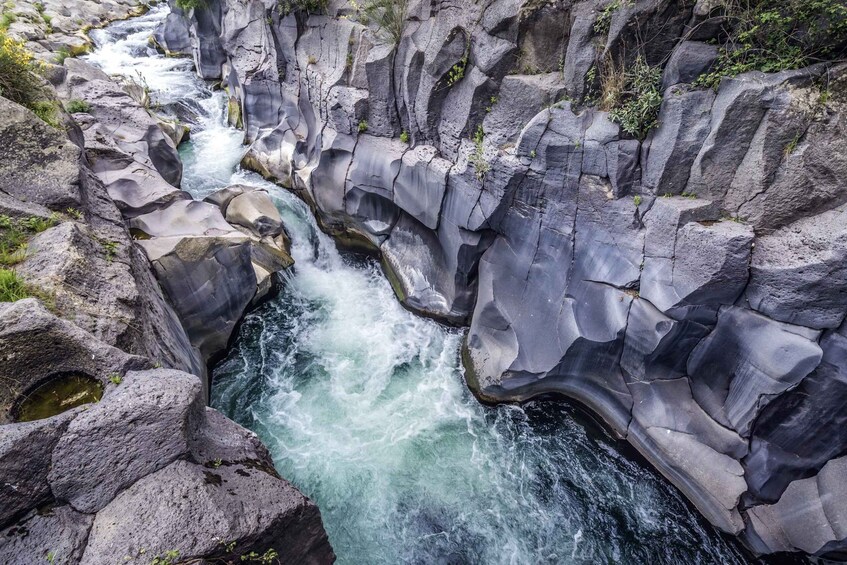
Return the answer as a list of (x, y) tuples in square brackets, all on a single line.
[(55, 535), (189, 508), (142, 425)]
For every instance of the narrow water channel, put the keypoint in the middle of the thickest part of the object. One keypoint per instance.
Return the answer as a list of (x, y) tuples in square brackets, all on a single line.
[(364, 406)]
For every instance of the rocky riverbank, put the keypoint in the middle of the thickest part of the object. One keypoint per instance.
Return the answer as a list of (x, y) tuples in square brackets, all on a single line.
[(134, 288), (687, 284)]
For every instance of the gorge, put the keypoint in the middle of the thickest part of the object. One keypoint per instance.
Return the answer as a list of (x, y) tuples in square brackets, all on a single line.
[(685, 286)]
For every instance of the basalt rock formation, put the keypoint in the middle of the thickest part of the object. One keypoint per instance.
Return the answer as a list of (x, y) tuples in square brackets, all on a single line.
[(136, 287), (689, 287)]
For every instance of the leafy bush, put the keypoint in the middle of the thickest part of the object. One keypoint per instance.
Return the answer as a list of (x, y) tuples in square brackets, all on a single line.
[(18, 81), (604, 18), (186, 5), (286, 7), (775, 35), (77, 106), (637, 106)]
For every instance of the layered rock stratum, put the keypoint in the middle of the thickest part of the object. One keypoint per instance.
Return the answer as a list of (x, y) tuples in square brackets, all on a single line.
[(688, 287)]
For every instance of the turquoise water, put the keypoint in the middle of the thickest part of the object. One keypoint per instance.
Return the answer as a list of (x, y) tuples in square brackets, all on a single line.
[(364, 406)]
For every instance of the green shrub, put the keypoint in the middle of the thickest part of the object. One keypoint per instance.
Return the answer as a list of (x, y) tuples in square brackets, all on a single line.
[(775, 35), (638, 104), (6, 20), (604, 18), (18, 81), (477, 159), (187, 5), (363, 126), (77, 106), (47, 111), (286, 7)]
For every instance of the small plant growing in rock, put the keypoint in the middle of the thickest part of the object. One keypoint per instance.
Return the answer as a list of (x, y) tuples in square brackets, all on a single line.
[(110, 248), (186, 5), (77, 106), (363, 126), (12, 288), (170, 557), (115, 379), (286, 7), (74, 213), (604, 18), (404, 136), (389, 16), (477, 159), (637, 200), (312, 60), (457, 73)]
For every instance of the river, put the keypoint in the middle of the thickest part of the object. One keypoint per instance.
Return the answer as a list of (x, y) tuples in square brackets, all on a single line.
[(364, 407)]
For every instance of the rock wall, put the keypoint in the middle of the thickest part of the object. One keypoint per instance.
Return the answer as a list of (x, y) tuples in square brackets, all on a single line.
[(137, 286), (687, 287)]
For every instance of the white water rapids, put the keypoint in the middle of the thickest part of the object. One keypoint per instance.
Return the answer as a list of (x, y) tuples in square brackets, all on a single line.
[(364, 407)]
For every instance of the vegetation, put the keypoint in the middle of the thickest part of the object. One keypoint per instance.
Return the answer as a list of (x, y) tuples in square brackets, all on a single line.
[(633, 96), (186, 5), (18, 81), (286, 7), (14, 235), (477, 159), (363, 126), (389, 17), (775, 35), (12, 288), (604, 18), (77, 106), (404, 136)]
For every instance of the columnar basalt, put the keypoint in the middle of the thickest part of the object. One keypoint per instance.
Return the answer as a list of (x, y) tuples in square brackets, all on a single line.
[(687, 286)]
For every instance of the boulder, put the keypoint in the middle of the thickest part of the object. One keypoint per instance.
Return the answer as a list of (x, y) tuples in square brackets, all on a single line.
[(54, 535), (198, 511), (139, 427), (688, 61), (25, 457), (255, 211), (39, 165)]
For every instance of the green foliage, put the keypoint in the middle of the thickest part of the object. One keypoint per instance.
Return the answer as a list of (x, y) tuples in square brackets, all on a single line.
[(110, 248), (48, 111), (115, 378), (12, 288), (18, 80), (638, 103), (6, 20), (74, 213), (77, 106), (477, 158), (404, 137), (604, 18), (637, 200), (286, 7), (14, 235), (775, 35), (186, 5), (170, 557), (389, 17), (457, 73), (363, 126)]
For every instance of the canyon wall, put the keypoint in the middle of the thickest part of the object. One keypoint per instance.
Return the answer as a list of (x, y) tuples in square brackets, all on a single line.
[(689, 287), (133, 288)]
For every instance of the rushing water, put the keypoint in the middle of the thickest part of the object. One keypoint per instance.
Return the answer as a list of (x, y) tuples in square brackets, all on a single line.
[(364, 407)]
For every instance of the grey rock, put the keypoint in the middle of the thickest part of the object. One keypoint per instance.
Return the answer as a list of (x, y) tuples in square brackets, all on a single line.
[(255, 211), (689, 60), (189, 508), (60, 532), (39, 164), (36, 345), (141, 426), (25, 455), (747, 361), (799, 273)]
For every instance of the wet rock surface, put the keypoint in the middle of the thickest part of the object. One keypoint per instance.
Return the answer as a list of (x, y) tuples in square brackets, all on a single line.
[(686, 287)]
